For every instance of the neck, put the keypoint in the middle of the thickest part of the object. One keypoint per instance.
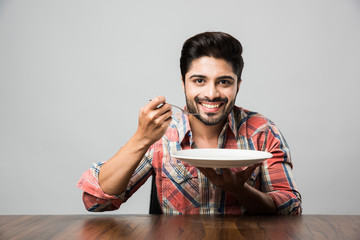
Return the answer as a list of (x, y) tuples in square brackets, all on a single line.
[(205, 136)]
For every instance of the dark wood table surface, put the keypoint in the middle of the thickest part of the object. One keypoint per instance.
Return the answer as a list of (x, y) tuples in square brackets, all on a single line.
[(178, 227)]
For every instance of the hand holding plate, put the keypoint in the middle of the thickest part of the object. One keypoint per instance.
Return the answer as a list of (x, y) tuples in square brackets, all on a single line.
[(230, 181)]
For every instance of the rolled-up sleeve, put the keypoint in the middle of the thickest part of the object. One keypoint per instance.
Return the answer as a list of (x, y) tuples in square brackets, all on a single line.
[(277, 177), (96, 200)]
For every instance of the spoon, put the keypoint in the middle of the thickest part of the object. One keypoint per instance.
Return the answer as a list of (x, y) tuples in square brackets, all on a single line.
[(182, 110)]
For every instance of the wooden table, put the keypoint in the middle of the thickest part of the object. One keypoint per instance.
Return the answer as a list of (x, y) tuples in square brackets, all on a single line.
[(178, 227)]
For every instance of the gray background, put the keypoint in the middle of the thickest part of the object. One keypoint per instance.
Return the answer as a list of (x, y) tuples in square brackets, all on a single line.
[(74, 74)]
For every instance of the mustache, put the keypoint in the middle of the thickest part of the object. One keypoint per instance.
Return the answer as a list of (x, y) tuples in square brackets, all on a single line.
[(206, 99)]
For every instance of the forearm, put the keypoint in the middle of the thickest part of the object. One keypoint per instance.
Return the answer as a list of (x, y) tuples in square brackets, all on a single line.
[(115, 174), (255, 201)]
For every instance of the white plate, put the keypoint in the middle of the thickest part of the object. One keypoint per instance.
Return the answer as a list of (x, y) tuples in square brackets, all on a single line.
[(220, 158)]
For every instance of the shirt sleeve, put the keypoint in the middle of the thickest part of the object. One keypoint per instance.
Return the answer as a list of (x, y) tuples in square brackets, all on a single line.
[(277, 179), (94, 198)]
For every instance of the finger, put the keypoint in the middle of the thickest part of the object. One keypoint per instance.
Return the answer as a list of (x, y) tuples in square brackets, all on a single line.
[(154, 113), (228, 176), (156, 102), (249, 170), (160, 108), (164, 117), (226, 173), (226, 170), (255, 166), (203, 170), (213, 176), (207, 171), (164, 108)]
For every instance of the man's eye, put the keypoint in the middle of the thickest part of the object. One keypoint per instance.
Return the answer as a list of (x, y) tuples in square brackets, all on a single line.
[(199, 80), (224, 82)]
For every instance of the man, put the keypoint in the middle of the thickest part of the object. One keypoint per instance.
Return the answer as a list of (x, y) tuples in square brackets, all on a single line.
[(211, 66)]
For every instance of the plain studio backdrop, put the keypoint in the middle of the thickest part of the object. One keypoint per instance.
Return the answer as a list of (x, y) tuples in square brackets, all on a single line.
[(74, 75)]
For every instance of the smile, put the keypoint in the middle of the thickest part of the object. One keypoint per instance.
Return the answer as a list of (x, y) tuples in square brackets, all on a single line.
[(211, 106)]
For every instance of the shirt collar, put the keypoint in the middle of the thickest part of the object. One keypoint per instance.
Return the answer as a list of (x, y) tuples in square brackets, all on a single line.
[(234, 120), (184, 128)]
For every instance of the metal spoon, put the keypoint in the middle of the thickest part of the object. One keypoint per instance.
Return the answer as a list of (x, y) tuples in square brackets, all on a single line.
[(182, 110)]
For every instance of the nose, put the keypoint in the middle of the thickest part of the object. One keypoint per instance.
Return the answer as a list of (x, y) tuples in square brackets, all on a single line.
[(212, 92)]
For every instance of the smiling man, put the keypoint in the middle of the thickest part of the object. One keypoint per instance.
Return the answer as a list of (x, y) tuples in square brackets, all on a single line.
[(211, 66), (210, 88)]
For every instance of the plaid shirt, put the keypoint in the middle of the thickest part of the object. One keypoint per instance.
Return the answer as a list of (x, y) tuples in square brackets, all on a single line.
[(183, 189)]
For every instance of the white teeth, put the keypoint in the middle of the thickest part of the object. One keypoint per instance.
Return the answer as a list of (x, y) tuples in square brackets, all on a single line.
[(210, 106)]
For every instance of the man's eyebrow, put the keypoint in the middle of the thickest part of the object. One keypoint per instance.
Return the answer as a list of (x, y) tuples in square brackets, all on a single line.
[(203, 76), (197, 76), (226, 77)]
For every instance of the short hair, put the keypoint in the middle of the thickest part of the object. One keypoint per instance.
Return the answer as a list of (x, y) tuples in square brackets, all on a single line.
[(212, 44)]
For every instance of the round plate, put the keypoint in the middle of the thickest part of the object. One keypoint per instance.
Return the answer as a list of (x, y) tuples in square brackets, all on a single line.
[(221, 158)]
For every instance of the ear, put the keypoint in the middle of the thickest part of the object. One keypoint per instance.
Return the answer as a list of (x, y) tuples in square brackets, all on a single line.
[(238, 86), (183, 83)]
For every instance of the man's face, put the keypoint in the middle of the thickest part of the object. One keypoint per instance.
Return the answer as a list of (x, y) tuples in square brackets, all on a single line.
[(210, 89)]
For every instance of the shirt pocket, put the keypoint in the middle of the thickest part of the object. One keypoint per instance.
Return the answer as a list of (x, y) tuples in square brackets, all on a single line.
[(180, 186)]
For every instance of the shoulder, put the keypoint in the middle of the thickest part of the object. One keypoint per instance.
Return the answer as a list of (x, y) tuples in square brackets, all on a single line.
[(250, 123)]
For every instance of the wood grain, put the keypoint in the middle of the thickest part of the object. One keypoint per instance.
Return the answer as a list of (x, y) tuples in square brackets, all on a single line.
[(91, 227)]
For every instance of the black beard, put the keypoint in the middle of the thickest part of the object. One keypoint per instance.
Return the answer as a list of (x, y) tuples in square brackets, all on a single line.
[(210, 122)]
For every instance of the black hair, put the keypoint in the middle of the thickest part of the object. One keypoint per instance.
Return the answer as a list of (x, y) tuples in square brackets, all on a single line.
[(212, 44)]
